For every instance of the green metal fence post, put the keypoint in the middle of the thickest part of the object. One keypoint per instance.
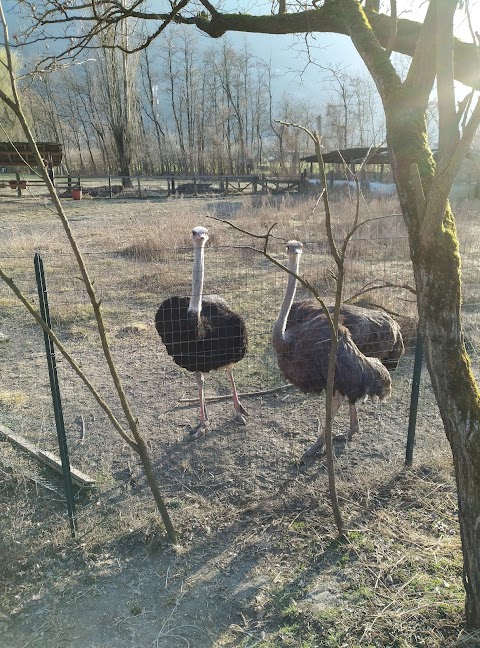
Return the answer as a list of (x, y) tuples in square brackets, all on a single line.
[(412, 420), (55, 389)]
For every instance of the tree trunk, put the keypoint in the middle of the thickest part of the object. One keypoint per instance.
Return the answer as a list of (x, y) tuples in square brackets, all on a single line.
[(436, 266)]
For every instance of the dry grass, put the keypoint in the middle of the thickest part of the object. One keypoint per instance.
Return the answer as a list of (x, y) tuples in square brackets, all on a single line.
[(400, 583), (10, 399), (397, 582)]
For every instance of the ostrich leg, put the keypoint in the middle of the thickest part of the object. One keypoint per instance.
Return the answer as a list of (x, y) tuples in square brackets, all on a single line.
[(354, 425), (319, 446), (240, 411), (202, 427)]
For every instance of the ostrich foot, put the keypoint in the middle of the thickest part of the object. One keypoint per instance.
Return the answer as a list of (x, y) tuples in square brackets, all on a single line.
[(346, 436), (316, 448), (240, 418), (197, 432), (242, 410)]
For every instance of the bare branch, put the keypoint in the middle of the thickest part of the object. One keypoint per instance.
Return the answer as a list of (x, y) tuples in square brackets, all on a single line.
[(393, 30), (448, 123), (318, 152), (421, 74), (79, 16), (38, 318), (139, 444)]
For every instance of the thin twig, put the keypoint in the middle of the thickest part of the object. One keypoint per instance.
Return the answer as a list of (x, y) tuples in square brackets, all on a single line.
[(262, 392)]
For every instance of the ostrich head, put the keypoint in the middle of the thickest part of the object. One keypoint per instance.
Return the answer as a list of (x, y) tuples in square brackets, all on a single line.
[(381, 382), (199, 235), (294, 247)]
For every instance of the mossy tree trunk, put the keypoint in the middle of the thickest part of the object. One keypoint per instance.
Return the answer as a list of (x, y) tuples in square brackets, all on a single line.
[(436, 265), (423, 188)]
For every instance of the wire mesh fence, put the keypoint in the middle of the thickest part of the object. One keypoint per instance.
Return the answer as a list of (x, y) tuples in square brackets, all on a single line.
[(231, 463)]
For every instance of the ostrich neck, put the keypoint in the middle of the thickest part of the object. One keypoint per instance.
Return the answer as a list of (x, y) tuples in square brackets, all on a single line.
[(195, 305), (281, 323)]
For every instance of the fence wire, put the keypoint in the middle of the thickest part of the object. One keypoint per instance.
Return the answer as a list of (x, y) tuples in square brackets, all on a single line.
[(231, 461)]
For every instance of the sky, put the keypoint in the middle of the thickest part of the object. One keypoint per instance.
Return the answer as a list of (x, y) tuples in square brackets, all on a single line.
[(287, 52), (294, 73)]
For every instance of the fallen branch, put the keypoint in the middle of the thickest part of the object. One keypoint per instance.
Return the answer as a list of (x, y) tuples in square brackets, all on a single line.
[(244, 394)]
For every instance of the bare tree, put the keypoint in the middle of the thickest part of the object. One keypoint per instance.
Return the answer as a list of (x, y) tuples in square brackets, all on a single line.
[(8, 121), (352, 114), (151, 108), (118, 72), (47, 121)]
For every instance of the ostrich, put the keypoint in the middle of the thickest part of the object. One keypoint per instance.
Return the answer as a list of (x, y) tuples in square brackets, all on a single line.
[(376, 333), (302, 345), (202, 334)]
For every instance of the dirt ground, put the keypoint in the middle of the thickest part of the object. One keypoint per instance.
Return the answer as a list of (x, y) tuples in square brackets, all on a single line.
[(257, 563)]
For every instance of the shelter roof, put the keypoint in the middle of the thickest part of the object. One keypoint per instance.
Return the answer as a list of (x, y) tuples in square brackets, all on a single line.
[(351, 155), (373, 156), (20, 153)]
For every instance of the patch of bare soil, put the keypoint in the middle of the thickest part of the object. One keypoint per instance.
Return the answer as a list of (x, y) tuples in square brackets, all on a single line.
[(258, 563)]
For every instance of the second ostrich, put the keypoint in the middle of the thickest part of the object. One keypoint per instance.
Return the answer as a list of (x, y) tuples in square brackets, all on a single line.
[(302, 347), (375, 332), (202, 334)]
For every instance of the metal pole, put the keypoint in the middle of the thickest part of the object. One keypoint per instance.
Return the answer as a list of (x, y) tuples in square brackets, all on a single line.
[(412, 421), (55, 389)]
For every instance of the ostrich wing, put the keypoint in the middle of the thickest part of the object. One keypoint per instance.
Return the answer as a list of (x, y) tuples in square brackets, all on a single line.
[(375, 333)]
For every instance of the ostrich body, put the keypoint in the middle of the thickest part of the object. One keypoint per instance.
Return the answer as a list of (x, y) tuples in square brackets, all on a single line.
[(202, 334), (376, 333), (302, 345)]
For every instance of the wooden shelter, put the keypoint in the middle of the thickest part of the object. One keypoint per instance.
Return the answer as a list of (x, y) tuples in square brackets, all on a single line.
[(352, 157), (13, 154)]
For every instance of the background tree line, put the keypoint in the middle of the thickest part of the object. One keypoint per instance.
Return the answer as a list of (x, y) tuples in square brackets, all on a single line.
[(181, 107)]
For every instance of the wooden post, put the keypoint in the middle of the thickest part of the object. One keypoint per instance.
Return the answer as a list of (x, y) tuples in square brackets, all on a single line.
[(264, 184), (50, 171), (19, 189), (195, 187), (303, 181), (139, 187), (110, 186)]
